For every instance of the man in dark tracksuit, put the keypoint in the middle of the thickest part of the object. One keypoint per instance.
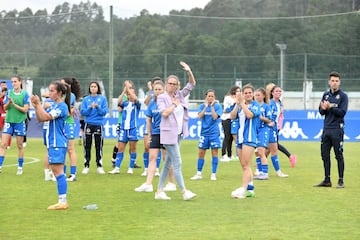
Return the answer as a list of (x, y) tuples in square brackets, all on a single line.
[(333, 105)]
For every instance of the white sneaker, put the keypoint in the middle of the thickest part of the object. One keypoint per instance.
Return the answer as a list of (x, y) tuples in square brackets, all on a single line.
[(71, 178), (24, 144), (213, 177), (130, 171), (100, 170), (85, 170), (281, 174), (114, 171), (170, 187), (188, 195), (196, 177), (161, 196), (225, 158), (144, 188), (238, 193), (49, 177), (52, 176), (157, 173), (19, 171), (144, 174)]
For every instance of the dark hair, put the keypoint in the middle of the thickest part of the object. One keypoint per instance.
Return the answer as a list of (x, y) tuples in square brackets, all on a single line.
[(210, 90), (97, 84), (160, 83), (334, 74), (74, 86), (65, 90), (233, 89), (269, 89), (155, 79)]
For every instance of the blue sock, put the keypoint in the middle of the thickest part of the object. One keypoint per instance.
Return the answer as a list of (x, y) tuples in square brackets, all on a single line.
[(200, 164), (250, 186), (119, 158), (65, 169), (20, 162), (61, 184), (275, 162), (258, 164), (265, 169), (146, 159), (1, 160), (132, 159), (158, 160), (215, 161), (73, 170)]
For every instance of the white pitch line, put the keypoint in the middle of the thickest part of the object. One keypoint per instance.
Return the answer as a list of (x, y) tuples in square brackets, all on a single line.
[(34, 160)]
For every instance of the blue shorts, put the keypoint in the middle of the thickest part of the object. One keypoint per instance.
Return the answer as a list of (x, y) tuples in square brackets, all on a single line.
[(234, 126), (251, 144), (16, 129), (206, 142), (263, 137), (273, 135), (128, 135), (57, 155), (70, 131)]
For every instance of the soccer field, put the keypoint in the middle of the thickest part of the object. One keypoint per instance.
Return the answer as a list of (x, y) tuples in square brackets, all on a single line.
[(289, 208)]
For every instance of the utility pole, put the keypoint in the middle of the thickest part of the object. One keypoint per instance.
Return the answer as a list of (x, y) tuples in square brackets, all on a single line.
[(282, 48), (111, 61)]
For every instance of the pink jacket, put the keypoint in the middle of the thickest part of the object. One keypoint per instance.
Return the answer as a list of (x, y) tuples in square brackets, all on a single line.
[(168, 125)]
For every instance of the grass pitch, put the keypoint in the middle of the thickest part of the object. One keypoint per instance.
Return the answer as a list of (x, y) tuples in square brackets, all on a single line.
[(282, 209)]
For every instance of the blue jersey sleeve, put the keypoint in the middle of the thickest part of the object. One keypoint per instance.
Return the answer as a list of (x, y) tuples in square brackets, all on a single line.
[(85, 110), (148, 111), (218, 109), (102, 109), (201, 107), (255, 109), (26, 98), (230, 108)]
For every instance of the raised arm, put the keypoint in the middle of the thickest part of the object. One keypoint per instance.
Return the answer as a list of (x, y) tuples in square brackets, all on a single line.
[(187, 69), (41, 114)]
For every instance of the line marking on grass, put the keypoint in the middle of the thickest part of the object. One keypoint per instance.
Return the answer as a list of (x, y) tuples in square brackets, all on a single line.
[(34, 160)]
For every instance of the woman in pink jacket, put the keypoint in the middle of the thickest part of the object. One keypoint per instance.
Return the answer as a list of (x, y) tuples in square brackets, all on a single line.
[(174, 126)]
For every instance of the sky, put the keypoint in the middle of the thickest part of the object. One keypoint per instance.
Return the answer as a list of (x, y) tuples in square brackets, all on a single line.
[(121, 8)]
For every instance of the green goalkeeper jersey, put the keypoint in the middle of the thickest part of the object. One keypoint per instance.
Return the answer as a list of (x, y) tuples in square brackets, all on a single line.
[(12, 114)]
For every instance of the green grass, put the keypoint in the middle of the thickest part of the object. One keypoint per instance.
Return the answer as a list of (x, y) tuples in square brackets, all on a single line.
[(282, 209)]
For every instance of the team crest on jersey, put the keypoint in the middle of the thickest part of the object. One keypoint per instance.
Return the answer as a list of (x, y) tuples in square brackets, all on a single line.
[(337, 96), (326, 97)]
